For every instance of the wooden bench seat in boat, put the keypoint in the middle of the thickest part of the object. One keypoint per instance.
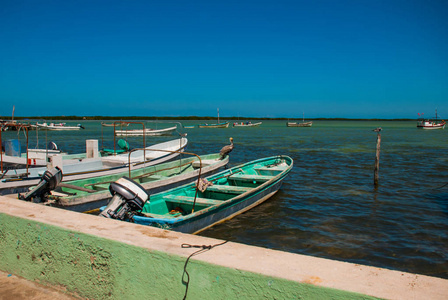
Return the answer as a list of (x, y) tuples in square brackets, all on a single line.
[(271, 171), (243, 177), (229, 189), (190, 200)]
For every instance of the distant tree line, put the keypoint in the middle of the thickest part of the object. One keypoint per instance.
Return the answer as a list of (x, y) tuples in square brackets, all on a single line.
[(190, 118)]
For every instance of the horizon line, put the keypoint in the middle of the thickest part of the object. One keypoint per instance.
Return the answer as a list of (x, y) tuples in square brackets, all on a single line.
[(74, 117)]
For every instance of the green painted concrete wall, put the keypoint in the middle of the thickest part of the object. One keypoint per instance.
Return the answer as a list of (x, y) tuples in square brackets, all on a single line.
[(98, 268)]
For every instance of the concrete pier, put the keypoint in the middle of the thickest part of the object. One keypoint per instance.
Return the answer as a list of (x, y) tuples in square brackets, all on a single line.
[(92, 257)]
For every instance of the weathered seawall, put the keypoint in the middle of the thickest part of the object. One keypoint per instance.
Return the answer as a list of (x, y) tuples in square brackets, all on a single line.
[(97, 258)]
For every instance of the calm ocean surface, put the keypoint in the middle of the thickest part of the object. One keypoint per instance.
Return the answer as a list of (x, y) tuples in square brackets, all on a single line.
[(328, 206)]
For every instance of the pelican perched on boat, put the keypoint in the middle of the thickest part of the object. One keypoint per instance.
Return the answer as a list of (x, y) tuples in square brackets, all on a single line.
[(226, 149)]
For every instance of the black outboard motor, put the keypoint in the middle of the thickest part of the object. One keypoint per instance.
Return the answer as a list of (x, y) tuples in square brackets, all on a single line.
[(49, 182), (128, 197)]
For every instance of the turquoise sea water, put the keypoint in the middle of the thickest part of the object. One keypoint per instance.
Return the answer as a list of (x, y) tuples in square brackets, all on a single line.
[(328, 206)]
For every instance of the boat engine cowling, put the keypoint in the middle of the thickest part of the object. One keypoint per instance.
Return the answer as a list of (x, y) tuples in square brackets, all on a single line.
[(49, 182), (128, 197)]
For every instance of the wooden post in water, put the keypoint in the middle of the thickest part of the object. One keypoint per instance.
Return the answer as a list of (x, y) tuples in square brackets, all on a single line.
[(377, 157)]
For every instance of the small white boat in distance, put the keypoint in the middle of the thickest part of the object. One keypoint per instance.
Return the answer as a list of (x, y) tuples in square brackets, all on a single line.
[(58, 126), (146, 132), (117, 124), (300, 124), (430, 124), (215, 125), (247, 124)]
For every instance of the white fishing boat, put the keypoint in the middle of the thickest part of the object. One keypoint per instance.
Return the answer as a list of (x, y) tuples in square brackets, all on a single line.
[(93, 165), (246, 124), (215, 125), (58, 126), (300, 124), (146, 132), (430, 123), (116, 124)]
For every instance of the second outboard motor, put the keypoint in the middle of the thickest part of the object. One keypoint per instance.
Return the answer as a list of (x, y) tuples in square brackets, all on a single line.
[(128, 197), (49, 182)]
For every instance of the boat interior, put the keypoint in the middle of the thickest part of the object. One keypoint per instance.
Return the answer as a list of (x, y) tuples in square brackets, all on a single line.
[(83, 187), (219, 188)]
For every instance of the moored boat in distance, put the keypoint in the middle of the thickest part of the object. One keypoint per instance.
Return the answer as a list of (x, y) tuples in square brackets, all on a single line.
[(300, 124), (215, 125), (430, 123), (146, 132), (116, 124), (197, 206), (58, 126), (246, 124)]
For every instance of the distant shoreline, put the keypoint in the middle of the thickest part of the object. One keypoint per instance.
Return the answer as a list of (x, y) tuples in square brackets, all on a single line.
[(189, 118)]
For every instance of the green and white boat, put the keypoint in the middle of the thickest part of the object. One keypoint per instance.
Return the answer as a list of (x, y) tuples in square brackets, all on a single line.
[(92, 193), (215, 125), (197, 206)]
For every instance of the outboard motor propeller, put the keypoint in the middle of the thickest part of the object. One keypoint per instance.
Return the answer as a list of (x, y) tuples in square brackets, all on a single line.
[(128, 197), (49, 182)]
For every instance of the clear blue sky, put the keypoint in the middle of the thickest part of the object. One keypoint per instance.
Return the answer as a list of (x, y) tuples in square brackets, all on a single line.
[(355, 59)]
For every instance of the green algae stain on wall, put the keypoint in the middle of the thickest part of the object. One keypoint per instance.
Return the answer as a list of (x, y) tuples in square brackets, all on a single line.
[(99, 268), (49, 255)]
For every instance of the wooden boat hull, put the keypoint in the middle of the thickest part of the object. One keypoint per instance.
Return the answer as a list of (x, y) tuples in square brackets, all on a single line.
[(207, 220), (217, 125), (247, 125), (155, 179), (296, 124), (146, 132), (122, 124), (57, 127), (235, 191), (430, 125), (92, 167)]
